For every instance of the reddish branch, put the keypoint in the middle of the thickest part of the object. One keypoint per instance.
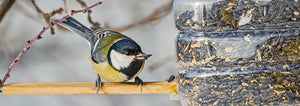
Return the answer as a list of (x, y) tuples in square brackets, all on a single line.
[(47, 16), (39, 36), (83, 4), (4, 7)]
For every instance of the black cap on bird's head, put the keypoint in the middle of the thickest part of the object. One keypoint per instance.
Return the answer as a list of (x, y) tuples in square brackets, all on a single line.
[(130, 48), (127, 47)]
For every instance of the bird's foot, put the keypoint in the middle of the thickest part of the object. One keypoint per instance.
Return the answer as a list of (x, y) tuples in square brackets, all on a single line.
[(139, 81), (98, 83)]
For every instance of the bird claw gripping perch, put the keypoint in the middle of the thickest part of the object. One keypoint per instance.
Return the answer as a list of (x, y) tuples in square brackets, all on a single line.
[(98, 83), (139, 81)]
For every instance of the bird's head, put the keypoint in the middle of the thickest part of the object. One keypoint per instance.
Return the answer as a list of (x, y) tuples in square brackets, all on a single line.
[(126, 52)]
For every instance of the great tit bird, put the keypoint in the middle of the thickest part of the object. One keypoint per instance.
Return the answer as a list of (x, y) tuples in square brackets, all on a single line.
[(113, 55)]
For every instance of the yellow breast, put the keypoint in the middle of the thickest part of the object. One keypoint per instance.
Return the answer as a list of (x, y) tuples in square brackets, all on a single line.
[(108, 72)]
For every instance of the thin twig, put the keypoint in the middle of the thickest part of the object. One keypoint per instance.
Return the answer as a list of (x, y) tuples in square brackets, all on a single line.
[(47, 16), (39, 36), (5, 6), (65, 6), (83, 5), (156, 15)]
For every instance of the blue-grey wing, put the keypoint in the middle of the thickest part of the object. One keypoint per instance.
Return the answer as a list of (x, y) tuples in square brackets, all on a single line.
[(98, 52), (98, 47), (76, 27)]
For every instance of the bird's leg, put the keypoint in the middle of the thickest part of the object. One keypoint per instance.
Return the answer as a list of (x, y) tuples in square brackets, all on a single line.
[(98, 83), (139, 81)]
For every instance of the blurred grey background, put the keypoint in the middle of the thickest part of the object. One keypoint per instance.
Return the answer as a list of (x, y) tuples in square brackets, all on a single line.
[(63, 57)]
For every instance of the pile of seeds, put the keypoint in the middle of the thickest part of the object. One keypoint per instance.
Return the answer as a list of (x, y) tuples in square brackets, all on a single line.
[(219, 74), (258, 88), (238, 49), (242, 15), (244, 52)]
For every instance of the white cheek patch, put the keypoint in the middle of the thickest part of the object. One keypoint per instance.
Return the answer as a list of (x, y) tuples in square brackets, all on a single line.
[(119, 60)]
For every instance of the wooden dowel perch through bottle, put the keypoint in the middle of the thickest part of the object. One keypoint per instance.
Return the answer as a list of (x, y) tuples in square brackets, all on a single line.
[(82, 88)]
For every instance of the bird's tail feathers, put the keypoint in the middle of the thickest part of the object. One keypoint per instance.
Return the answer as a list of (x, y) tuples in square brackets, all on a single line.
[(75, 26)]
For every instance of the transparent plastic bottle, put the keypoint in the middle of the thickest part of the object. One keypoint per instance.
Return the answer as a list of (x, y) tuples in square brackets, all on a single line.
[(238, 51)]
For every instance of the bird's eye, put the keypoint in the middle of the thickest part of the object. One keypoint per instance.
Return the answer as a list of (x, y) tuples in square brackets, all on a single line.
[(126, 52)]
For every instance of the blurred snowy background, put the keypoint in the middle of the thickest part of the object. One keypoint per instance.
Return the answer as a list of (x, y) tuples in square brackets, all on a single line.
[(63, 57)]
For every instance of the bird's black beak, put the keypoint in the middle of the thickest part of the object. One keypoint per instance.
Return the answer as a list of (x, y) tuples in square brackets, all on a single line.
[(142, 56)]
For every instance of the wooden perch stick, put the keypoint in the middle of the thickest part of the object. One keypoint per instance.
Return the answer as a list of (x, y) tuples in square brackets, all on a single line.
[(71, 88)]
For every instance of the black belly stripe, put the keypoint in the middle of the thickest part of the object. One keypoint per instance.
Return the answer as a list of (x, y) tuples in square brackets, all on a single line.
[(132, 69)]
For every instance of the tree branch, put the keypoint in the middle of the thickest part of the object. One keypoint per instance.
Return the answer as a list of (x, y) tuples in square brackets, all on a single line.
[(5, 6), (156, 15), (83, 5), (46, 16), (65, 6), (39, 36)]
